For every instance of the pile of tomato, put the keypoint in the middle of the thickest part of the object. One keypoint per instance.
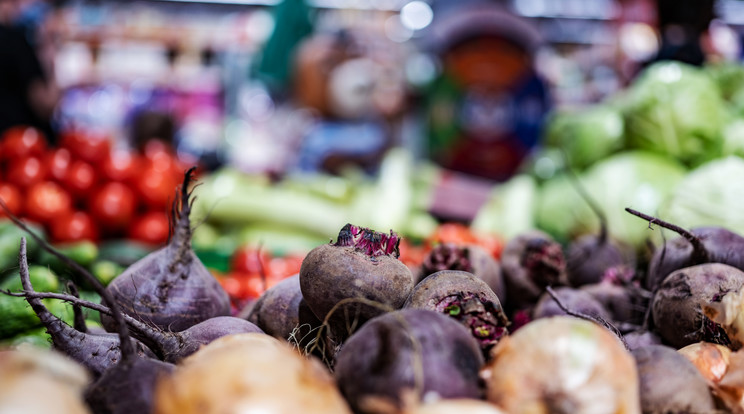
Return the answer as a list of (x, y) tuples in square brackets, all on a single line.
[(253, 270), (86, 188)]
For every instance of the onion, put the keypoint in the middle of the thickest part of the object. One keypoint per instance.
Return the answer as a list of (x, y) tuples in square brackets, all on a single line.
[(463, 405), (249, 373), (562, 364), (712, 360), (35, 381)]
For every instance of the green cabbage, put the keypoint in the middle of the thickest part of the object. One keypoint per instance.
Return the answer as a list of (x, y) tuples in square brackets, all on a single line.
[(677, 110), (636, 179), (586, 135), (711, 195)]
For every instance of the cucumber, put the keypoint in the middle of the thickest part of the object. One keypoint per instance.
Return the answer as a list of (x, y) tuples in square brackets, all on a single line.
[(16, 313), (123, 252), (10, 242), (82, 252), (37, 337), (106, 270)]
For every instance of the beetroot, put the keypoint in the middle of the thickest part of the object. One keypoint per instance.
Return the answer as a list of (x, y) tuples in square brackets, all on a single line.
[(97, 353), (531, 261), (590, 256), (641, 338), (467, 258), (574, 299), (697, 246), (170, 288), (623, 304), (670, 383), (677, 305), (405, 355), (465, 298), (168, 346), (276, 312), (354, 279)]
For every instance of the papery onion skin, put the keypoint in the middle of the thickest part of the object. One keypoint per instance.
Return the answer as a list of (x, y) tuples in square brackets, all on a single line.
[(562, 364), (249, 373)]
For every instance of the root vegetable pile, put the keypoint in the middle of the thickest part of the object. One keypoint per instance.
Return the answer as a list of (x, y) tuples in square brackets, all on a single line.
[(580, 327)]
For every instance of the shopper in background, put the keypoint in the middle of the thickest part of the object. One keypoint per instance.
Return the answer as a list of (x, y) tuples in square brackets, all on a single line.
[(28, 94), (682, 24)]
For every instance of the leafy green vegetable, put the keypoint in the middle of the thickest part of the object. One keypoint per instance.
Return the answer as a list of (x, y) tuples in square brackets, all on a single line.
[(510, 210), (711, 195), (677, 110), (587, 135), (635, 179)]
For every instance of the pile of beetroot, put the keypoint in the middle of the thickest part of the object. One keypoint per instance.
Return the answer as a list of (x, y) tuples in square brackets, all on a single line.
[(593, 327)]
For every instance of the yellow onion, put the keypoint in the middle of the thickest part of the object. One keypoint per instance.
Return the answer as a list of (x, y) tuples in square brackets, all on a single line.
[(249, 373), (40, 381), (562, 364), (455, 406), (712, 360)]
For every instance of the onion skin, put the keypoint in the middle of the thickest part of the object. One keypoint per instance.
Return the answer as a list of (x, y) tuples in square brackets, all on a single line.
[(453, 406), (41, 381), (562, 364), (712, 360), (245, 372)]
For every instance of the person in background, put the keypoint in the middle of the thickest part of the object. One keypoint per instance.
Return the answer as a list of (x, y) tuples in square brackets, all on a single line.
[(28, 93), (682, 24)]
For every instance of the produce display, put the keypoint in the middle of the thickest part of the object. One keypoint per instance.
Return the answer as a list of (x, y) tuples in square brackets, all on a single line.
[(604, 286)]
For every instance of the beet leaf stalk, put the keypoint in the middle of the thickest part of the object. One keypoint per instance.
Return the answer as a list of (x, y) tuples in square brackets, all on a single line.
[(121, 327), (98, 353), (79, 318), (700, 253)]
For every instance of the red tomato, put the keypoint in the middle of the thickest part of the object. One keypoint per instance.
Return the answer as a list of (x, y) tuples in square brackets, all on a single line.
[(58, 161), (156, 188), (74, 227), (113, 206), (152, 227), (22, 141), (11, 196), (281, 268), (26, 172), (231, 286), (248, 259), (251, 287), (47, 201), (121, 165), (80, 179), (88, 146)]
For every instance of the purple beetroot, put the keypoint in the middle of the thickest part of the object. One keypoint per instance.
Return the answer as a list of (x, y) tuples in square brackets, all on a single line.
[(406, 355), (465, 298), (170, 288), (694, 247), (354, 279), (467, 258), (531, 262)]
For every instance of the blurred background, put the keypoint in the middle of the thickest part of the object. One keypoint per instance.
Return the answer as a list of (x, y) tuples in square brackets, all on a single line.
[(449, 119)]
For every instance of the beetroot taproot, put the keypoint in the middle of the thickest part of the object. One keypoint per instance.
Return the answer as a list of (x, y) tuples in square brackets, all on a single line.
[(468, 258), (677, 305), (362, 266), (465, 298), (170, 288), (408, 353)]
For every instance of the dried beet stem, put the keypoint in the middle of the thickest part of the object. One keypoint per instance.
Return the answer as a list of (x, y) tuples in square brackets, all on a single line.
[(79, 318), (591, 318), (700, 253), (127, 349)]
